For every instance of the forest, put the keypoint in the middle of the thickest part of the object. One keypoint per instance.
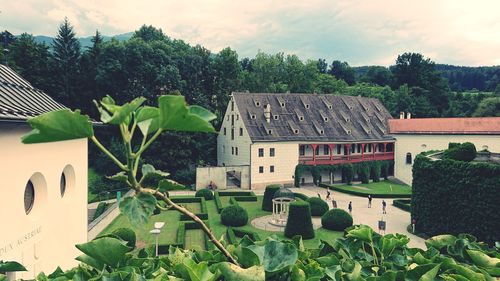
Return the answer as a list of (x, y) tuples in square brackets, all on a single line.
[(150, 64)]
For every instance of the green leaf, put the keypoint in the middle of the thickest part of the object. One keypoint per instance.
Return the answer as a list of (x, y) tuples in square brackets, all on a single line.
[(119, 177), (468, 273), (334, 272), (361, 232), (106, 250), (278, 256), (195, 272), (11, 266), (147, 119), (176, 116), (356, 272), (58, 125), (138, 208), (246, 257), (426, 272), (149, 173), (440, 241), (483, 260), (233, 272), (90, 261), (118, 114), (3, 277)]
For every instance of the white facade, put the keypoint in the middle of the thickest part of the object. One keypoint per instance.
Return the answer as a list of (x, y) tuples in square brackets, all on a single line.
[(278, 168), (233, 141), (45, 237), (417, 143)]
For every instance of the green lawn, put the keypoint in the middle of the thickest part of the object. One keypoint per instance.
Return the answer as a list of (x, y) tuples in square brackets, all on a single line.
[(376, 189), (195, 238)]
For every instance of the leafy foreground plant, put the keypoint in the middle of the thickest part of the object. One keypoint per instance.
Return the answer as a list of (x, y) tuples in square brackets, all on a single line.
[(361, 255), (172, 114)]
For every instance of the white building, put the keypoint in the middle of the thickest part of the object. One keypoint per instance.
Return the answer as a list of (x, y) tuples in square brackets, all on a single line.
[(43, 187), (267, 135), (414, 136)]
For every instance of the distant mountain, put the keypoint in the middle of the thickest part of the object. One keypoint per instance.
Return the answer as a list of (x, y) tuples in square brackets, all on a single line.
[(84, 41)]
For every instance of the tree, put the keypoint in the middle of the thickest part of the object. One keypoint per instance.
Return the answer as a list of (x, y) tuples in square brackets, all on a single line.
[(488, 107), (322, 66), (342, 70), (226, 72), (88, 65), (30, 59), (378, 75), (149, 33), (327, 84), (66, 61)]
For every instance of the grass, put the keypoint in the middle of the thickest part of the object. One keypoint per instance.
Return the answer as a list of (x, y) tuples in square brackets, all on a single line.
[(195, 237), (382, 189), (193, 207)]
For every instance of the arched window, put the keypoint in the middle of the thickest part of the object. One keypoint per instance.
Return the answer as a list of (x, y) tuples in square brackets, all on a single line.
[(29, 197), (62, 184), (408, 158)]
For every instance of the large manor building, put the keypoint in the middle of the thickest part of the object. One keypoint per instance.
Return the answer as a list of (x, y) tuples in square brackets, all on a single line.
[(265, 136)]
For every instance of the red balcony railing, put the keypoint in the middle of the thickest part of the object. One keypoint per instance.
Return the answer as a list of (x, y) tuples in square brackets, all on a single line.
[(344, 159)]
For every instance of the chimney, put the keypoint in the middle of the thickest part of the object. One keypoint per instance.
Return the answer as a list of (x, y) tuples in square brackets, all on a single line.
[(267, 113), (408, 115), (402, 115)]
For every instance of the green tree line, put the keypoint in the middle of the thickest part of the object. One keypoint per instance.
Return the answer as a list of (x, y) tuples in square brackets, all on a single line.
[(150, 64)]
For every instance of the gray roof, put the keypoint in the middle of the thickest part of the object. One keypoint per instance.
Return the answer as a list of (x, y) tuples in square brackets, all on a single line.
[(19, 100), (313, 117)]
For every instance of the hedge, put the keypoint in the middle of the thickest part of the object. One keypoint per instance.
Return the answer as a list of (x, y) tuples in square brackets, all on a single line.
[(205, 193), (403, 204), (101, 207), (318, 206), (234, 215), (336, 219), (456, 197), (204, 211), (232, 233), (236, 193), (181, 234), (461, 152), (301, 196), (299, 220), (267, 201), (218, 203)]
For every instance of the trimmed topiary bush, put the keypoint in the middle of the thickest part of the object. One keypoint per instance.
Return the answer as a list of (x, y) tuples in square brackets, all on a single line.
[(336, 219), (318, 206), (364, 172), (299, 220), (125, 234), (101, 207), (267, 202), (234, 215), (347, 173), (205, 193), (463, 152)]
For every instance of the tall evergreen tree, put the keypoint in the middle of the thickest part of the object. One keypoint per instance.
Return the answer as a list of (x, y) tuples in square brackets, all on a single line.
[(66, 61)]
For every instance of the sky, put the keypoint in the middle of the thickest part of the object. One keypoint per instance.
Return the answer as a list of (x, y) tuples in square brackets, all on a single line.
[(368, 32)]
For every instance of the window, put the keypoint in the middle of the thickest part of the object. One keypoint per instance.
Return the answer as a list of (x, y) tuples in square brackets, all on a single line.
[(301, 118), (326, 119), (232, 134), (269, 132), (237, 117), (261, 152), (316, 152), (359, 148), (232, 150), (295, 131), (271, 151), (228, 118), (307, 106), (241, 131), (236, 150), (338, 149), (223, 149), (353, 148), (282, 104), (326, 150), (370, 147), (232, 105), (232, 120), (257, 104), (62, 184), (252, 116), (29, 197), (380, 147), (276, 117), (261, 169), (271, 169), (408, 158), (224, 131), (302, 150)]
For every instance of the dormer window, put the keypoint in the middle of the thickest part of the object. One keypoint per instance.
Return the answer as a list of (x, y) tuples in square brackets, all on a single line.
[(269, 132), (296, 131), (325, 119), (252, 116), (307, 106), (257, 103), (330, 106), (276, 117), (282, 104), (321, 132), (301, 118)]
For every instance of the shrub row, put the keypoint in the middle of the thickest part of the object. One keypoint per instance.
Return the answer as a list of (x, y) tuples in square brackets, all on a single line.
[(301, 196), (456, 197), (240, 196), (181, 235), (218, 203), (364, 170), (461, 152), (232, 233), (403, 204), (205, 193), (101, 208), (204, 211)]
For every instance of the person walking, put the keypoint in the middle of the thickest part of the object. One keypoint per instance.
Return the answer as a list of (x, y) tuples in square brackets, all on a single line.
[(383, 207), (350, 207), (369, 201), (328, 194)]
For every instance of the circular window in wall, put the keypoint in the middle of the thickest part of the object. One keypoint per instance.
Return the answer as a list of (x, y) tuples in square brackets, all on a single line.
[(62, 184), (29, 197)]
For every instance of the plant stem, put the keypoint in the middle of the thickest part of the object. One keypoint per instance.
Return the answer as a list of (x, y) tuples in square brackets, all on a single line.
[(148, 143), (108, 153), (195, 218)]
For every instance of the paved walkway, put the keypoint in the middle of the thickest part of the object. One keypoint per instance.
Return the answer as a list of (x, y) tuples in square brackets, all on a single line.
[(396, 219)]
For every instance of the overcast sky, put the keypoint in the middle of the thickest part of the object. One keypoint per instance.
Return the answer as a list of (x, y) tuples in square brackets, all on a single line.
[(461, 32)]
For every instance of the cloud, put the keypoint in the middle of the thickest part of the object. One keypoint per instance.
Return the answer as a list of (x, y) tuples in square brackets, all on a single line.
[(359, 32)]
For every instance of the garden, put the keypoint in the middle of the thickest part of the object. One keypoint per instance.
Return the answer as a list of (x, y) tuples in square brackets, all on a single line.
[(381, 189), (337, 251)]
